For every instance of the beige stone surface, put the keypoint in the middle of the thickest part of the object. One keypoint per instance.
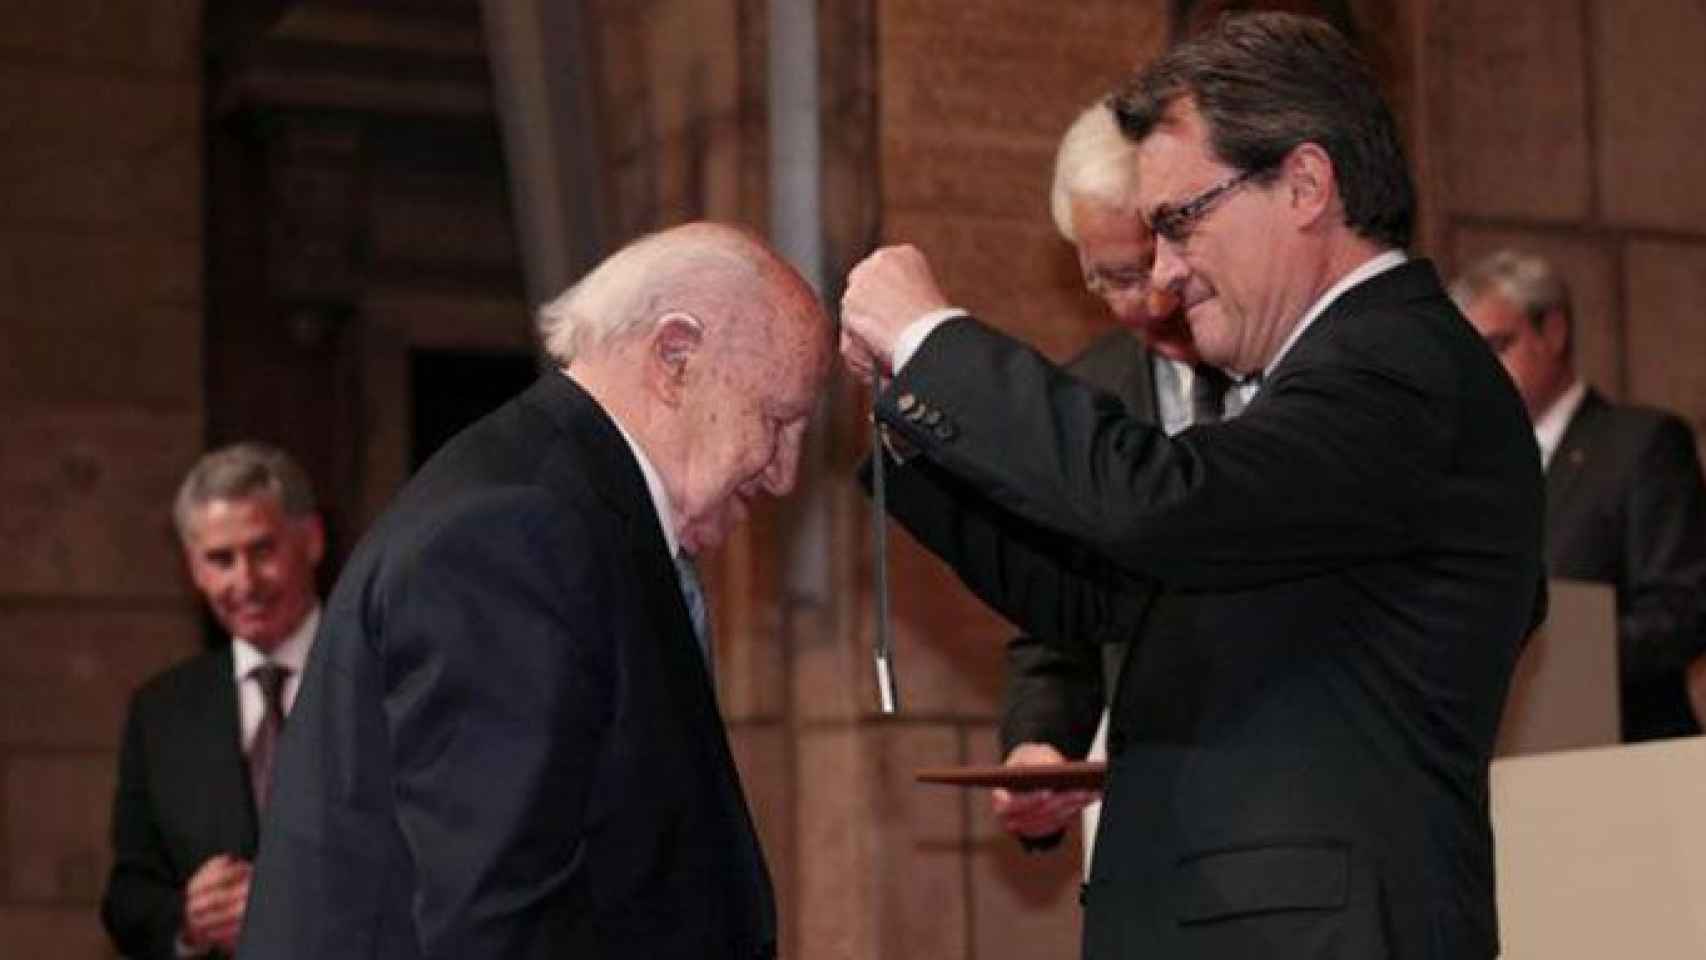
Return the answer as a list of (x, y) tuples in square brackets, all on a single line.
[(100, 151), (154, 36), (1667, 327), (882, 865), (1513, 108), (1025, 904), (836, 913), (67, 674), (975, 97), (57, 808), (1006, 68), (947, 644), (763, 754), (88, 503), (63, 933), (1589, 265), (103, 318), (1649, 109)]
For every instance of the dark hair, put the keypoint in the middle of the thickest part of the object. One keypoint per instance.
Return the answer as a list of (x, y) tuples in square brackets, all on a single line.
[(1264, 83)]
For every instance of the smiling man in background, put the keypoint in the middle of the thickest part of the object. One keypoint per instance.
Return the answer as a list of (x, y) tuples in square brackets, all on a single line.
[(196, 762)]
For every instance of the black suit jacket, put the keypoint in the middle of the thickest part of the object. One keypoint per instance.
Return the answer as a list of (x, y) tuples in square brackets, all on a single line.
[(1056, 691), (506, 743), (1625, 505), (1300, 740), (183, 796)]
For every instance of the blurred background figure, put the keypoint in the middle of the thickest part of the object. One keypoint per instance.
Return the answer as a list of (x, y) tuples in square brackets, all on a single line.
[(1625, 502), (196, 763)]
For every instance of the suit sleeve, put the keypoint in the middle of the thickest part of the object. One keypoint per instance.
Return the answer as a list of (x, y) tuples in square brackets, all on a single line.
[(143, 905), (1044, 583), (1662, 623), (1334, 464), (499, 691), (1054, 695)]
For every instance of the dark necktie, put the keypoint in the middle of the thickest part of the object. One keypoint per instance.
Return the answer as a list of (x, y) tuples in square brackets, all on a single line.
[(694, 594), (270, 678), (1208, 394)]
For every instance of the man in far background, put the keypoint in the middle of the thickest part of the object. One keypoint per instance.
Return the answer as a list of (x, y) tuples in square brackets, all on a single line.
[(1625, 504), (195, 765)]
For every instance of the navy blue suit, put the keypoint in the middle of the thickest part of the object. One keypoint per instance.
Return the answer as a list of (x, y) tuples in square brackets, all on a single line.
[(506, 744)]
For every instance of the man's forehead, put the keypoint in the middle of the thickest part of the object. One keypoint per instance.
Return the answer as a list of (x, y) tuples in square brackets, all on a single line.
[(1173, 155), (260, 510)]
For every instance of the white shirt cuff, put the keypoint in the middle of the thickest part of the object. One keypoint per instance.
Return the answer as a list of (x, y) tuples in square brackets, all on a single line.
[(913, 336)]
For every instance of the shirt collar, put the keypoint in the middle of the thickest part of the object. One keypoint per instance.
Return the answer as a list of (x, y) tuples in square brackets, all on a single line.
[(654, 486), (1549, 428), (1367, 270), (292, 653)]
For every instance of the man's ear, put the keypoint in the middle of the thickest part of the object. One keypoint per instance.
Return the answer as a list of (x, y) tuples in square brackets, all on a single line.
[(1308, 174), (675, 341)]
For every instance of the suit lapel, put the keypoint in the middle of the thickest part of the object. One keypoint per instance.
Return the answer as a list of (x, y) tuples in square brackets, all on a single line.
[(226, 781), (1571, 461), (685, 676)]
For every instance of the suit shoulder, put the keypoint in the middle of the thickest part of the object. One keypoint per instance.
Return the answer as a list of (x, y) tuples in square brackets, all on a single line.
[(1636, 428), (185, 679)]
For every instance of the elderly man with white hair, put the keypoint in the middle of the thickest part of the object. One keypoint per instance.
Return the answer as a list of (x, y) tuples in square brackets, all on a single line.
[(508, 742)]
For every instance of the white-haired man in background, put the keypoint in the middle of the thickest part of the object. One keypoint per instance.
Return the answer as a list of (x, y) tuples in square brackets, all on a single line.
[(1055, 703)]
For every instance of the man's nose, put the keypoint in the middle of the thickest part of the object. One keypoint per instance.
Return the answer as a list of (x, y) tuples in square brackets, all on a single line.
[(1171, 271), (243, 574)]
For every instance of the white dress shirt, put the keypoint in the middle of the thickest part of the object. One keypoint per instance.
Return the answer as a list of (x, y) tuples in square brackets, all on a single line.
[(292, 653), (1549, 429)]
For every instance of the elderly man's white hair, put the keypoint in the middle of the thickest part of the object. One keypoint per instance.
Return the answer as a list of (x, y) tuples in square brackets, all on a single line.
[(687, 269), (1095, 163)]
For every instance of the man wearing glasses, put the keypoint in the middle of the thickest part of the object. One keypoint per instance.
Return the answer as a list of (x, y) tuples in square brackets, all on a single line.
[(1300, 742), (1057, 693)]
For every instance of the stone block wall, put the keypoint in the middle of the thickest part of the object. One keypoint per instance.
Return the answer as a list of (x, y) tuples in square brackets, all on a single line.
[(101, 388), (1569, 127)]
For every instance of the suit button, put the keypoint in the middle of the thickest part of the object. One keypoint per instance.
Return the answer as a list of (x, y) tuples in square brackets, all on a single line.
[(905, 402)]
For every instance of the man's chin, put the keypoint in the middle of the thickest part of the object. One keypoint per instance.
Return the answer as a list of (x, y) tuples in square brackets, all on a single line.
[(1169, 336)]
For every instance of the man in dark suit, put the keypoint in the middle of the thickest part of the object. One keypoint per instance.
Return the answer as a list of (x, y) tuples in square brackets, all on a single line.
[(1057, 692), (1625, 504), (508, 743), (1300, 741), (199, 738)]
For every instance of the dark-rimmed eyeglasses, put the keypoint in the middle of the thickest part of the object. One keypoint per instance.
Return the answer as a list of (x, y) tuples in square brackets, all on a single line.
[(1175, 222)]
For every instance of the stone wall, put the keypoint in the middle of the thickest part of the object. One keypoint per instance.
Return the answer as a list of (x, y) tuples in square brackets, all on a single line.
[(101, 388), (1570, 127)]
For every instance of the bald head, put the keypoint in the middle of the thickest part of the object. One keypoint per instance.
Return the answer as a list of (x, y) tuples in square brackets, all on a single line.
[(710, 351), (701, 270)]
